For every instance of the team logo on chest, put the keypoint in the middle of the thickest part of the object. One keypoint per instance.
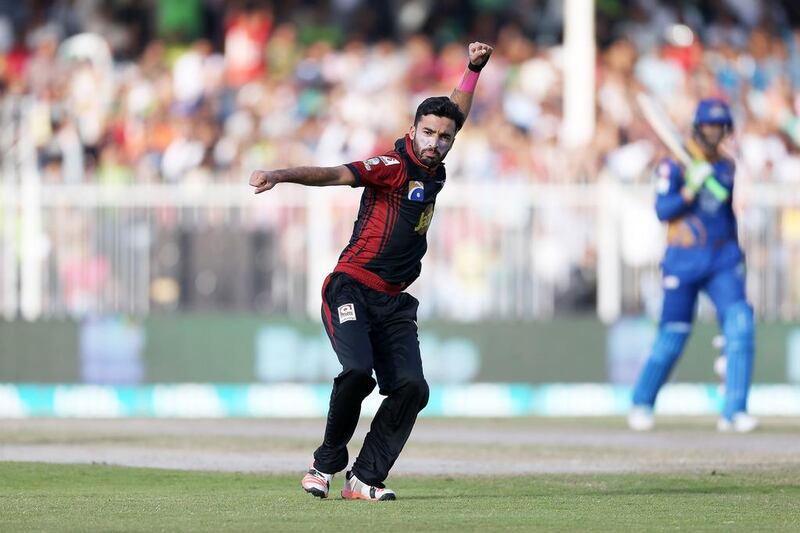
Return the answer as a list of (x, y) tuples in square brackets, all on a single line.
[(416, 191)]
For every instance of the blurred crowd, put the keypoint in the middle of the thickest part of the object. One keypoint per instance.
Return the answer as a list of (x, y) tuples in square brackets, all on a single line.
[(193, 91), (202, 91)]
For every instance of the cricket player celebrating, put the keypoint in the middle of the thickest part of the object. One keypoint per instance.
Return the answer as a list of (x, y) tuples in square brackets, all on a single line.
[(370, 321), (702, 253)]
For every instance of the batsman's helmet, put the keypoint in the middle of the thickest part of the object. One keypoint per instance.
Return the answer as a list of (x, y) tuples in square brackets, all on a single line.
[(713, 111)]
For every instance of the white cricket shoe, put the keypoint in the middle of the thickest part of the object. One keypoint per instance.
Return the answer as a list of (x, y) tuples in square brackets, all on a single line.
[(740, 423), (355, 489), (317, 483), (641, 418)]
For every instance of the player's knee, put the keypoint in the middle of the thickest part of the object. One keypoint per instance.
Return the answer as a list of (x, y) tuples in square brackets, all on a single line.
[(670, 341), (738, 326), (415, 391), (357, 379), (423, 393)]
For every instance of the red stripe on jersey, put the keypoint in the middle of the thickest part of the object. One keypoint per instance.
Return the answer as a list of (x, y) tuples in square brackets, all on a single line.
[(394, 202), (376, 224), (355, 246), (371, 235), (387, 224)]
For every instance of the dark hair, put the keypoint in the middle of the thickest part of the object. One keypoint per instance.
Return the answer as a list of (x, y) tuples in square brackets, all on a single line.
[(441, 106)]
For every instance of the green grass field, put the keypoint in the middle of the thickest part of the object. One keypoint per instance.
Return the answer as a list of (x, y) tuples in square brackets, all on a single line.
[(37, 497)]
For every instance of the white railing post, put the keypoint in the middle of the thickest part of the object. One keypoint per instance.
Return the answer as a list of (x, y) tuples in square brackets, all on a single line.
[(8, 206), (609, 260), (31, 234)]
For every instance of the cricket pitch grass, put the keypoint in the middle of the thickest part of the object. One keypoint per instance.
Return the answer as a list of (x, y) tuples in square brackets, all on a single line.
[(498, 475)]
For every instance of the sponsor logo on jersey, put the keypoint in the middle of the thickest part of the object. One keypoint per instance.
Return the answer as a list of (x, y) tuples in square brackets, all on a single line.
[(347, 312), (681, 234), (385, 159), (416, 191), (425, 220), (389, 161), (371, 162)]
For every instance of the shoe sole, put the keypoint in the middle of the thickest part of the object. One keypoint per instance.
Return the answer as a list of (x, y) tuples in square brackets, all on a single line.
[(319, 493), (314, 487), (358, 496)]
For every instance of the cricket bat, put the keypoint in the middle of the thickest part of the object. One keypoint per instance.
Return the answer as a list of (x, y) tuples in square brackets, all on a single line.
[(685, 153)]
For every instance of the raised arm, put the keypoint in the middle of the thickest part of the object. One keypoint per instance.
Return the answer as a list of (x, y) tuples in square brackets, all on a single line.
[(264, 180), (479, 54)]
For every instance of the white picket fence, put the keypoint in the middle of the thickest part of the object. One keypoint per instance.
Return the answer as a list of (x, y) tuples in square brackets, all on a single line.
[(495, 251)]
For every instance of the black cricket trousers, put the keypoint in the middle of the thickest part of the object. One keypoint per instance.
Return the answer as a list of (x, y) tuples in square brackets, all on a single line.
[(370, 330)]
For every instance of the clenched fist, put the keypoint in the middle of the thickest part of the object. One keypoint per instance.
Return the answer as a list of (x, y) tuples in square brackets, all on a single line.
[(479, 53), (263, 180)]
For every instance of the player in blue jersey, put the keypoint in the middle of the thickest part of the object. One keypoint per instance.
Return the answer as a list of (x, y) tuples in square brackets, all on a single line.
[(703, 254)]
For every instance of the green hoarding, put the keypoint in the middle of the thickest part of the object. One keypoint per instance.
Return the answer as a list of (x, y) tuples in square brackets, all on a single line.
[(249, 348)]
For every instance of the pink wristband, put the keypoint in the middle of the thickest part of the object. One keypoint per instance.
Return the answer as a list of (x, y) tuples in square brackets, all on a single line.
[(469, 81)]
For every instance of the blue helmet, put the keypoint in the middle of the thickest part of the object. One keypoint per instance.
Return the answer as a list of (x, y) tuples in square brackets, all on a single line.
[(713, 111)]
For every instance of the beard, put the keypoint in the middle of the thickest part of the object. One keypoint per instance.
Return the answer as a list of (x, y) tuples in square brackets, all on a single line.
[(711, 142), (429, 157)]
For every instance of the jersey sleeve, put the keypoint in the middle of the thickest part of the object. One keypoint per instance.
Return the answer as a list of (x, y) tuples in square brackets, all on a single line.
[(670, 203), (383, 171)]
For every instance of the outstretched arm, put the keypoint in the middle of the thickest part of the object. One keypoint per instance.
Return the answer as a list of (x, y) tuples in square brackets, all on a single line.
[(264, 180), (479, 54)]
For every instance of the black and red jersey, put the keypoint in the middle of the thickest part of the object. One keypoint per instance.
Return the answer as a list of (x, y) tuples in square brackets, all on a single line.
[(389, 236)]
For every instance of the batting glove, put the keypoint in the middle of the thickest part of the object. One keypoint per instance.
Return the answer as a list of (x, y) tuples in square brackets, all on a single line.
[(696, 175)]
